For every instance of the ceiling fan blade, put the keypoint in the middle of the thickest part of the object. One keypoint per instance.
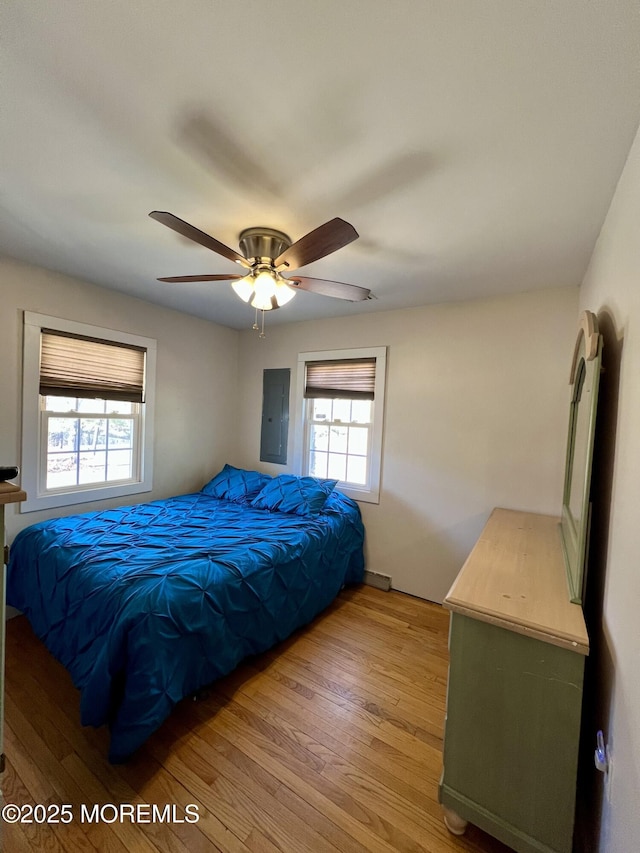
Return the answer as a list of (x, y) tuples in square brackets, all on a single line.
[(337, 289), (193, 233), (322, 241), (173, 278)]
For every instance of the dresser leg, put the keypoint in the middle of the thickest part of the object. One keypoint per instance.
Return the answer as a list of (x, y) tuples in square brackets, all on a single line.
[(454, 823)]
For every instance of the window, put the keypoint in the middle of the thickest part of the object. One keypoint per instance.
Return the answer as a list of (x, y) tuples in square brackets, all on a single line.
[(87, 413), (340, 406), (88, 441), (339, 439)]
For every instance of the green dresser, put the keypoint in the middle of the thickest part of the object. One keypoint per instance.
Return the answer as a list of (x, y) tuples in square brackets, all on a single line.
[(517, 653)]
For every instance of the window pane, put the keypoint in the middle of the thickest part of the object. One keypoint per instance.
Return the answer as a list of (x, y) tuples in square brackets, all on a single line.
[(337, 467), (317, 464), (321, 410), (90, 405), (93, 433), (62, 434), (92, 467), (361, 411), (358, 440), (342, 410), (319, 437), (61, 470), (119, 465), (338, 439), (120, 433), (119, 407), (60, 404), (357, 470)]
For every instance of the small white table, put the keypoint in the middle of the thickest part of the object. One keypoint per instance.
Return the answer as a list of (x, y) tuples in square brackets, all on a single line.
[(9, 494)]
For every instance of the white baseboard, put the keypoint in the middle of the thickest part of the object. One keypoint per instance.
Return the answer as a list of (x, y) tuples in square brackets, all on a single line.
[(378, 580)]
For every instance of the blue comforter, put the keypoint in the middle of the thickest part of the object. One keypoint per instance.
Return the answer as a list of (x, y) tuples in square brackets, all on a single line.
[(146, 604)]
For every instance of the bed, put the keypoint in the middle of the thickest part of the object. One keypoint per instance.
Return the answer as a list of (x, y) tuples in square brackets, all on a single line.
[(146, 604)]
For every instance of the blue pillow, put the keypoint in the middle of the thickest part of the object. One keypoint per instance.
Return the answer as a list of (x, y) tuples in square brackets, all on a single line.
[(236, 484), (300, 495)]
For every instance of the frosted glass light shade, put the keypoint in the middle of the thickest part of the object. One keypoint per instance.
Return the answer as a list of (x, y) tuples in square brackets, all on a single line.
[(264, 284), (244, 287), (284, 293), (265, 287), (261, 302)]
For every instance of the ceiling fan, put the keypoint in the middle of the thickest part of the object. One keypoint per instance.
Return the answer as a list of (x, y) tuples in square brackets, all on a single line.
[(266, 253)]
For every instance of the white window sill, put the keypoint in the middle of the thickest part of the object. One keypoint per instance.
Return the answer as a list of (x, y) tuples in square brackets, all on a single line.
[(99, 493), (370, 496)]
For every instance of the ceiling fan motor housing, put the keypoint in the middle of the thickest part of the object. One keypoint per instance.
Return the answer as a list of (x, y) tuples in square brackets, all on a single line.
[(263, 243)]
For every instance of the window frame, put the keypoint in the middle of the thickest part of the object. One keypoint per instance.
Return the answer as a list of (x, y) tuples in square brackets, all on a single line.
[(33, 451), (301, 449)]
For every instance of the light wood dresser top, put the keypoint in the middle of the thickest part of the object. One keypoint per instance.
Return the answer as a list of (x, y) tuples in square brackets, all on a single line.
[(515, 578), (10, 493)]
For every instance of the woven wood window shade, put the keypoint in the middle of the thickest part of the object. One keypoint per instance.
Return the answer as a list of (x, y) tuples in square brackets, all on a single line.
[(352, 378), (75, 366)]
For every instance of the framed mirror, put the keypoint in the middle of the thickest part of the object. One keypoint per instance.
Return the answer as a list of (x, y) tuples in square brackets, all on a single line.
[(584, 381)]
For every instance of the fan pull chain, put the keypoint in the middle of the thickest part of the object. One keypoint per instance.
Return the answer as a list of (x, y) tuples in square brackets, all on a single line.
[(255, 326), (262, 335)]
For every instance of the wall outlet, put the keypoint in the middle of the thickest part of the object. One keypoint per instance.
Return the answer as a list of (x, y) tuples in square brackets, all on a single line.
[(604, 763)]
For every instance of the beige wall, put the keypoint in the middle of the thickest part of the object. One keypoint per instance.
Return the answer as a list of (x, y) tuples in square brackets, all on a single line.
[(476, 406), (612, 290), (196, 377), (476, 417)]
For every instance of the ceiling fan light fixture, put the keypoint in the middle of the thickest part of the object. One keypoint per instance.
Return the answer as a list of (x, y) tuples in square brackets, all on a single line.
[(264, 290)]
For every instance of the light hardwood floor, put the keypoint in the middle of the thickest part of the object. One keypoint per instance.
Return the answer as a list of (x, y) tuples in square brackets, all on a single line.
[(331, 742)]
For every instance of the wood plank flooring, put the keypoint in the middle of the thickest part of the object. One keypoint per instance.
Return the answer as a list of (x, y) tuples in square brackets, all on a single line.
[(331, 742)]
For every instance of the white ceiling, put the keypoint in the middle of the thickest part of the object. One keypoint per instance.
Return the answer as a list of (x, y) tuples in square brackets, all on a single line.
[(474, 144)]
